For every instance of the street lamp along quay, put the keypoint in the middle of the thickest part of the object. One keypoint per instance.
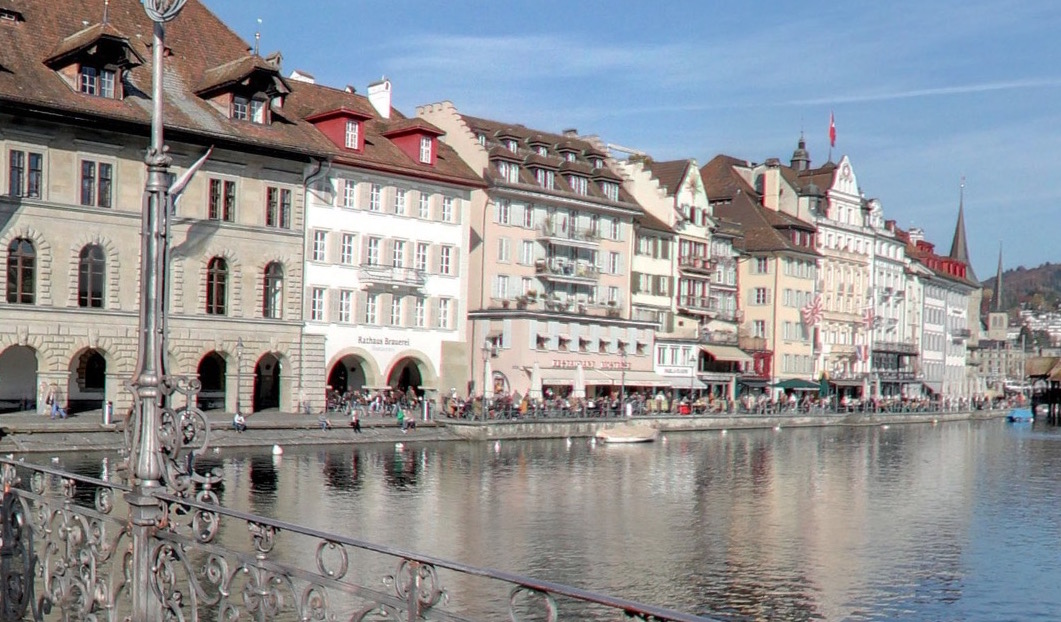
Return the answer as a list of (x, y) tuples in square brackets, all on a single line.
[(239, 374)]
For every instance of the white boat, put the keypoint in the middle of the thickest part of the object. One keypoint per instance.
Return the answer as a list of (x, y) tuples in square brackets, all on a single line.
[(628, 433)]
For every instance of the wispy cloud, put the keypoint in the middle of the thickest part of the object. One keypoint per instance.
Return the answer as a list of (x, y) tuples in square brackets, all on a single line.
[(1012, 85)]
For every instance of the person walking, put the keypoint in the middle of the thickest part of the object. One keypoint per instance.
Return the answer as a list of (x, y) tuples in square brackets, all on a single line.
[(355, 421), (401, 418), (53, 401)]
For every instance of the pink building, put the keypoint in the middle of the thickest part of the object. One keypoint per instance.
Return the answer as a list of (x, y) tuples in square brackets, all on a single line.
[(549, 263)]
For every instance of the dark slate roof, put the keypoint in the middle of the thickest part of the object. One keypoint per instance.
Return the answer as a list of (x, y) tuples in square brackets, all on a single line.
[(959, 248), (669, 174), (198, 41)]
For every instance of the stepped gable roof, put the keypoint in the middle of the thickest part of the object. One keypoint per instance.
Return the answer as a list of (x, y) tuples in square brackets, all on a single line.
[(198, 44), (668, 174), (526, 137), (761, 226), (308, 100)]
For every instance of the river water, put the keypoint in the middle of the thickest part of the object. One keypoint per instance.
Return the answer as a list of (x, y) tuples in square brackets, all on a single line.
[(955, 521)]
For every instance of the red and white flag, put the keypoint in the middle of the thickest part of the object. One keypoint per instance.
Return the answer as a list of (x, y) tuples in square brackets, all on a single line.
[(832, 129), (812, 312)]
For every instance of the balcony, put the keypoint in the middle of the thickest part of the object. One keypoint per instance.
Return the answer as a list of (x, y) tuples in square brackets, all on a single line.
[(569, 236), (697, 265), (962, 333), (895, 347), (565, 271), (752, 344), (387, 276), (898, 375), (719, 337), (698, 304)]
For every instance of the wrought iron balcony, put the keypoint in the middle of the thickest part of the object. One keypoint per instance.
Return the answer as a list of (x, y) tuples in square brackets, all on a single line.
[(569, 236), (387, 276), (696, 264), (962, 333), (562, 271)]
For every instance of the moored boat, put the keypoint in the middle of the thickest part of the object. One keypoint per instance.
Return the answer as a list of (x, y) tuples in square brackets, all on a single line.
[(628, 433)]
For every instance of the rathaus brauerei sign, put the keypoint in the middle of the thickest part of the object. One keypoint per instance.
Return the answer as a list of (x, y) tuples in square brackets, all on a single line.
[(603, 365)]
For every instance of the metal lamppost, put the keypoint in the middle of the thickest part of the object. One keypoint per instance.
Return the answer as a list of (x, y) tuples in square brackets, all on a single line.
[(239, 374), (622, 381)]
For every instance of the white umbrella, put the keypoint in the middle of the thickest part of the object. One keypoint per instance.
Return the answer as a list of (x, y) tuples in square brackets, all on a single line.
[(580, 383), (488, 379)]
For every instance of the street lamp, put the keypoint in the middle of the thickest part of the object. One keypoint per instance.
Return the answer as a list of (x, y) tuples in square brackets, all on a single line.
[(622, 379), (239, 373)]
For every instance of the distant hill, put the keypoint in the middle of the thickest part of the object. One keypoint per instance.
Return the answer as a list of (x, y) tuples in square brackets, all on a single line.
[(1037, 288)]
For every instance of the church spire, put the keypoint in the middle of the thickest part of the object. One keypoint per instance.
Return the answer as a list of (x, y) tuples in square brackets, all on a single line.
[(959, 249), (996, 296)]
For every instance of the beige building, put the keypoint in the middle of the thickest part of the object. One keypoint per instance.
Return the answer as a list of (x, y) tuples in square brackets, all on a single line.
[(549, 263), (778, 276), (73, 133)]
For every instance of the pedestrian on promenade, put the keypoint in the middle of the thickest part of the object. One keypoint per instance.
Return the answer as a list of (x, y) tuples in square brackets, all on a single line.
[(401, 418), (355, 421), (53, 401), (239, 422)]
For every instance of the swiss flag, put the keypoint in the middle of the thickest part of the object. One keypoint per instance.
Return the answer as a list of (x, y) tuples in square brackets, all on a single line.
[(832, 130)]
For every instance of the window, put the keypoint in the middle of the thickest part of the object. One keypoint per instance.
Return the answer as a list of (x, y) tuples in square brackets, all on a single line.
[(617, 229), (578, 184), (545, 178), (527, 285), (504, 253), (759, 328), (447, 209), (398, 256), (21, 270), (762, 265), (425, 149), (445, 258), (216, 286), (425, 205), (278, 208), (526, 253), (273, 291), (372, 252), (320, 245), (222, 200), (316, 304), (421, 256), (347, 249), (346, 306), (98, 82), (97, 179), (375, 200), (504, 212), (91, 272), (399, 201), (353, 131), (25, 174), (420, 312), (501, 289), (613, 294), (610, 189), (762, 296), (349, 193), (443, 312), (249, 109), (528, 216), (372, 309), (509, 171), (614, 266)]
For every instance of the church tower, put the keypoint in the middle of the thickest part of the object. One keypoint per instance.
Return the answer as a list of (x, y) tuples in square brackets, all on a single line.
[(959, 248), (997, 318)]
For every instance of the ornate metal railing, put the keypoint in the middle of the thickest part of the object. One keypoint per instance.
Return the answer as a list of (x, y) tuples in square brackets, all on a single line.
[(68, 547)]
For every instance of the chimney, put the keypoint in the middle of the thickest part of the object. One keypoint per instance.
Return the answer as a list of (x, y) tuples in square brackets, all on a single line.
[(379, 95), (302, 76), (571, 132), (917, 234), (350, 89)]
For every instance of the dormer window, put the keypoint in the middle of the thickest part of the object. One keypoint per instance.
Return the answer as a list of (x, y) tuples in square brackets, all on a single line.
[(482, 139), (253, 109), (512, 145), (98, 82), (545, 178), (598, 163), (426, 150), (543, 151), (579, 184), (353, 133), (509, 171), (610, 190), (569, 156)]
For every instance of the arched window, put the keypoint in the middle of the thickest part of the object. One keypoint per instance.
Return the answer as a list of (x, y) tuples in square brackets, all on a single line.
[(91, 271), (216, 286), (273, 291), (21, 271)]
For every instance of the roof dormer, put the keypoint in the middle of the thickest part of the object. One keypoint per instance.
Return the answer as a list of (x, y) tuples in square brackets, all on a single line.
[(417, 138), (246, 89), (343, 126), (93, 61)]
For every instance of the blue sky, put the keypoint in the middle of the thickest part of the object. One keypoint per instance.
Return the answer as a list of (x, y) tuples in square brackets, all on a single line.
[(923, 92)]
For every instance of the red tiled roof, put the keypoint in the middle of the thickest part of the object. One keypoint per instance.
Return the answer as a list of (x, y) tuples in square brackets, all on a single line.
[(669, 174), (84, 39)]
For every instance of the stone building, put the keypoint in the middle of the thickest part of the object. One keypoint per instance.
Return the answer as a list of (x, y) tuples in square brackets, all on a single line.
[(75, 111)]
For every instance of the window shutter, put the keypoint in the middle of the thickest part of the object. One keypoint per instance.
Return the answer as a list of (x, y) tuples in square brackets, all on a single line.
[(359, 311), (409, 311), (331, 309), (432, 312), (434, 254), (455, 258), (332, 246), (364, 249)]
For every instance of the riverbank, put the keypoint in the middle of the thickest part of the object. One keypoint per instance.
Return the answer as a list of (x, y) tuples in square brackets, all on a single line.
[(30, 433)]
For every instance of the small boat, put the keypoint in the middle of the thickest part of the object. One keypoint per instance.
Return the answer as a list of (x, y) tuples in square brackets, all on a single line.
[(1020, 415), (628, 433)]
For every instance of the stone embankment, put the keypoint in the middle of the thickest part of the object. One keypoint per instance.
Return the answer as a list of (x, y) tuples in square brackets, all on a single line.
[(30, 433)]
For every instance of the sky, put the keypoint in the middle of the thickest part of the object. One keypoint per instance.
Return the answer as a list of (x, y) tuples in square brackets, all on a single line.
[(924, 94)]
